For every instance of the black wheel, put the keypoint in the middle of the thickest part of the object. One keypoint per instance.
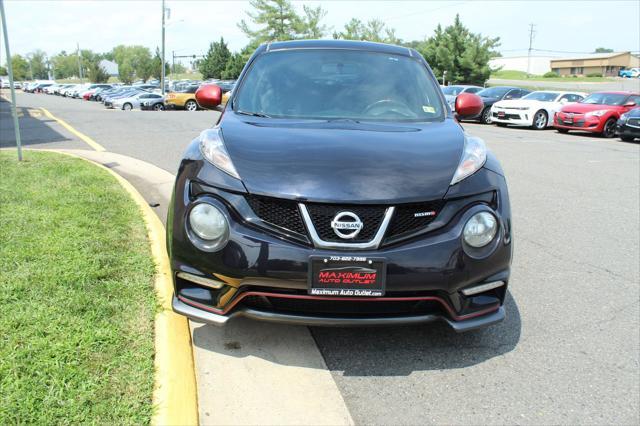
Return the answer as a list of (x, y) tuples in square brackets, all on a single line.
[(540, 120), (485, 118), (609, 129), (191, 105), (158, 107), (127, 107), (501, 124), (562, 130), (627, 138)]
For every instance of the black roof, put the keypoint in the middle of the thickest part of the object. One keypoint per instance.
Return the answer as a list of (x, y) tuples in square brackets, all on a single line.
[(338, 44)]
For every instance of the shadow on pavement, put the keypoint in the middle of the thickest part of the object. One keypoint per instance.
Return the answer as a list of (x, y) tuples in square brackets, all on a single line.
[(370, 351), (399, 351), (33, 127)]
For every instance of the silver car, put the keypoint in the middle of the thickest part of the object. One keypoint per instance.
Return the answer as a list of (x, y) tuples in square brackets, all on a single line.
[(134, 101)]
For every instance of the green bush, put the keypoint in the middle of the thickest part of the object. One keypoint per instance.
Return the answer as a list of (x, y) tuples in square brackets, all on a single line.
[(550, 74), (594, 74)]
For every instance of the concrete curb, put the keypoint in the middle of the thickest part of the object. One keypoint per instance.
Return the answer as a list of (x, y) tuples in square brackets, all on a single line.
[(174, 398)]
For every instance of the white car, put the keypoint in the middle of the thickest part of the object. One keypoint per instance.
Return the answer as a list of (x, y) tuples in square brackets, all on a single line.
[(134, 101), (6, 84), (535, 110), (50, 89)]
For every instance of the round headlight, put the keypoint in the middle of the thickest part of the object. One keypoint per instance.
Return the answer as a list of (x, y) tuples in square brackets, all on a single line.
[(208, 222), (480, 229)]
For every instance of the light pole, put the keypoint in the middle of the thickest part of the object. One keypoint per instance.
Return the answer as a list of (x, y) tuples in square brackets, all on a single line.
[(164, 10), (16, 124)]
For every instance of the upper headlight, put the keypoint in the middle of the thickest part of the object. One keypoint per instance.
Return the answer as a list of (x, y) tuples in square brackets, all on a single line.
[(473, 158), (209, 225), (212, 148), (597, 113), (480, 229)]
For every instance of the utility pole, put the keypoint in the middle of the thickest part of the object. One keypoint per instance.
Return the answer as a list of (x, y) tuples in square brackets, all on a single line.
[(162, 65), (16, 124), (30, 67), (79, 65), (173, 62), (531, 34)]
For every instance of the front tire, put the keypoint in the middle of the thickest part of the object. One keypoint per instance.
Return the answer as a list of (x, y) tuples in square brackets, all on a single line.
[(540, 120), (127, 107), (158, 107), (562, 130), (191, 105), (485, 118), (627, 138), (609, 129)]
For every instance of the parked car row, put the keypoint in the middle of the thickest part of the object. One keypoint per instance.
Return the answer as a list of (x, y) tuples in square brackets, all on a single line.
[(604, 113), (144, 96)]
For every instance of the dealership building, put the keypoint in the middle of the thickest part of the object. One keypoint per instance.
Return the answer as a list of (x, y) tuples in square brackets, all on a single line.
[(607, 64)]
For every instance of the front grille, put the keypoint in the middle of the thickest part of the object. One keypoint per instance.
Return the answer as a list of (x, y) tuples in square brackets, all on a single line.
[(409, 218), (633, 122), (507, 116), (576, 123), (322, 215), (282, 213)]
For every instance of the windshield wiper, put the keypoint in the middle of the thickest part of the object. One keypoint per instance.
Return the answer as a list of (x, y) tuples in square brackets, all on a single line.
[(253, 114)]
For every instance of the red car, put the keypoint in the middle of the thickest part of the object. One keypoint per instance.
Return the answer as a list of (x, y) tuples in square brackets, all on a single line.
[(597, 113), (87, 95)]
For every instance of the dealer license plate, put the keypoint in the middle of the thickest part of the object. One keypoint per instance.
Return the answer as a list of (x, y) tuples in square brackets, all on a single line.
[(350, 276)]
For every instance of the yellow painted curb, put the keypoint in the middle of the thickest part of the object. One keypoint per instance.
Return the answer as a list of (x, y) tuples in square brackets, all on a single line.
[(93, 144), (175, 395)]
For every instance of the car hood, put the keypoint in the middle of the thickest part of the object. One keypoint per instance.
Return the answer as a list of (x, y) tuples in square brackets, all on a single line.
[(489, 101), (582, 108), (517, 103), (344, 161)]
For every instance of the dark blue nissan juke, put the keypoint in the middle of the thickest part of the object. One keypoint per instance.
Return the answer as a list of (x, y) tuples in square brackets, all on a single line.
[(338, 188)]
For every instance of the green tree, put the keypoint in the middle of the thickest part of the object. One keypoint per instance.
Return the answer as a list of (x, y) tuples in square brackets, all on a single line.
[(20, 67), (3, 70), (374, 30), (603, 50), (276, 20), (462, 54), (310, 24), (215, 62), (156, 66), (65, 65), (126, 72), (137, 57), (234, 66), (38, 64), (178, 68), (97, 74)]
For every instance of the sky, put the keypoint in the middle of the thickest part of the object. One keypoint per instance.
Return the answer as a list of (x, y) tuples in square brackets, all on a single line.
[(565, 26)]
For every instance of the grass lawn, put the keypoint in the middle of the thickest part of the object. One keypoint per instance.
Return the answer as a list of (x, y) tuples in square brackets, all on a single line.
[(76, 296), (521, 75)]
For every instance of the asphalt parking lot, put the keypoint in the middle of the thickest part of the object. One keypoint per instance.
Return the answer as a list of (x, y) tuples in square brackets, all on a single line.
[(568, 351)]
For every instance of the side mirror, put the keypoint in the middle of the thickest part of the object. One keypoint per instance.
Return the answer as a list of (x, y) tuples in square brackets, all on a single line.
[(468, 105), (630, 104), (209, 96)]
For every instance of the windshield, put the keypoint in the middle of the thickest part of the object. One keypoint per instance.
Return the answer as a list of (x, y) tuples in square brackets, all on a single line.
[(605, 99), (494, 92), (452, 90), (542, 96), (339, 84)]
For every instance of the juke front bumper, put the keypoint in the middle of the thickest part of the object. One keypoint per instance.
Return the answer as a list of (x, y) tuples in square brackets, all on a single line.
[(263, 270)]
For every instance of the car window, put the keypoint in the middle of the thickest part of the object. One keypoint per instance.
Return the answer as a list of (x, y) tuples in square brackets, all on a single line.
[(493, 92), (339, 84), (541, 96), (473, 89), (605, 99), (635, 99)]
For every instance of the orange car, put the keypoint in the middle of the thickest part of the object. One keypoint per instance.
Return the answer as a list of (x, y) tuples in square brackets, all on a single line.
[(183, 99)]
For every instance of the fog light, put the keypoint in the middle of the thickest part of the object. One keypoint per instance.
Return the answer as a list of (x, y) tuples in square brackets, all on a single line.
[(480, 229), (210, 227)]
